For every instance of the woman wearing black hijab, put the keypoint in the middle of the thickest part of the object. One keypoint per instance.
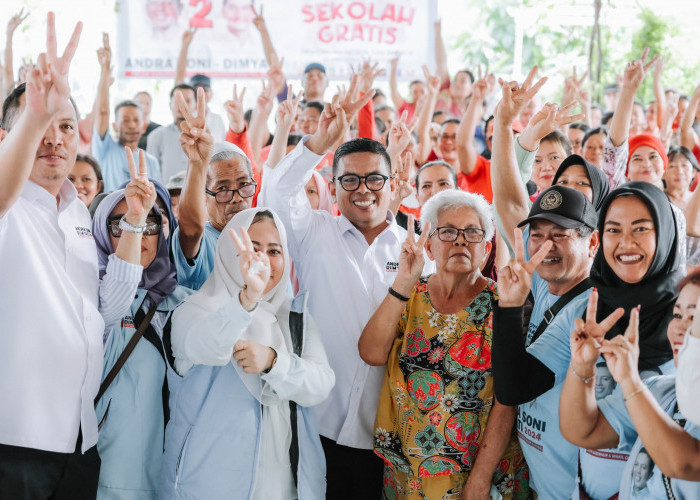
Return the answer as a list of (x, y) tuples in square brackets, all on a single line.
[(577, 173), (650, 281)]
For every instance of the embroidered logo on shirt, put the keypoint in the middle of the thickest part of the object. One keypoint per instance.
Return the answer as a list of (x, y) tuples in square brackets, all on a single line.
[(84, 232), (128, 322), (392, 267)]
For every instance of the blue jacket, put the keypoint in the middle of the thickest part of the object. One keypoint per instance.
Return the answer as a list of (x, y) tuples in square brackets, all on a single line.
[(213, 436), (130, 412)]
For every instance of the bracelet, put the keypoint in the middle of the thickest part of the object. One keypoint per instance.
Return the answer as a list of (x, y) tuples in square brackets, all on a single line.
[(630, 396), (125, 226), (585, 380), (396, 294), (274, 360)]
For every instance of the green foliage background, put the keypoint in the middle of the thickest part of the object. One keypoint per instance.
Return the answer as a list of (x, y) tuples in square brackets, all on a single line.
[(554, 47)]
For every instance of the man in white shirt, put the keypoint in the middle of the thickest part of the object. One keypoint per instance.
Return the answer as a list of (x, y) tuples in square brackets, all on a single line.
[(347, 263), (51, 338)]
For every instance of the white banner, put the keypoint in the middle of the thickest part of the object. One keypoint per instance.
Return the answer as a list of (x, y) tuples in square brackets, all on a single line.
[(227, 45)]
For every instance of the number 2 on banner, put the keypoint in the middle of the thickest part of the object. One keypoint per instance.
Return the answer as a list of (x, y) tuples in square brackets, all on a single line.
[(199, 20)]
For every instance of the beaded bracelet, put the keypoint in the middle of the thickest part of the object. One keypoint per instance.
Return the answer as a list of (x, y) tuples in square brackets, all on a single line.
[(585, 380)]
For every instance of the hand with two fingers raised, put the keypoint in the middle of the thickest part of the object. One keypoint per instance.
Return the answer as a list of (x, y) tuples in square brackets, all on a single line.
[(587, 336), (195, 139), (235, 111), (411, 259), (516, 97), (140, 193), (255, 269), (515, 279), (621, 354)]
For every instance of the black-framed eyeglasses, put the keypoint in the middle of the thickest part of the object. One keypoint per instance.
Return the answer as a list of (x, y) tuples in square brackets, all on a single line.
[(450, 234), (153, 224), (351, 182), (226, 195)]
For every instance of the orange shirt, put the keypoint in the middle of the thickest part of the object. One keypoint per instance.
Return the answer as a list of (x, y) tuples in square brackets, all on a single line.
[(479, 181)]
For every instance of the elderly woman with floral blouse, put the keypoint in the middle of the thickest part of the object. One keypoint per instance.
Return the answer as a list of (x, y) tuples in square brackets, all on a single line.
[(439, 428)]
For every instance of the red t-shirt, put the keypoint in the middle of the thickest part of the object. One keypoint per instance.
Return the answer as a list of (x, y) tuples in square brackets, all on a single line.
[(479, 181)]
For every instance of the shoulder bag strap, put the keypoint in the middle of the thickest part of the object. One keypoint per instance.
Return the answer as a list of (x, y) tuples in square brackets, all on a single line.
[(551, 313), (667, 480), (126, 353), (296, 329)]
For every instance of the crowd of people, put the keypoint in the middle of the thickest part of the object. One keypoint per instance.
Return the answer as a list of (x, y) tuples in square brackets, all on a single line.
[(460, 293)]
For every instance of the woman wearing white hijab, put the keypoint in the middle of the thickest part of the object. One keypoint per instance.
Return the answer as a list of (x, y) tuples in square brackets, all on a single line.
[(248, 361)]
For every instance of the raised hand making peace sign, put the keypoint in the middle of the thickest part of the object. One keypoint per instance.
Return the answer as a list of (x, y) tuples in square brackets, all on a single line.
[(254, 267), (411, 259), (195, 139), (47, 84), (516, 97), (140, 193), (621, 353), (635, 71), (587, 336), (515, 279)]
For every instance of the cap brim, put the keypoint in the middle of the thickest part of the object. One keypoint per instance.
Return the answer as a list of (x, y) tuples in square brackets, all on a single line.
[(559, 220)]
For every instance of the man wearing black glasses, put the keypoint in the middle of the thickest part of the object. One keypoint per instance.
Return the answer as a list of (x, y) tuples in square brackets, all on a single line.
[(218, 184), (347, 263)]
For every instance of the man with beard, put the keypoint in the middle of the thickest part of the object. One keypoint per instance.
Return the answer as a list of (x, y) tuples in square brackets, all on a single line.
[(219, 183), (129, 126)]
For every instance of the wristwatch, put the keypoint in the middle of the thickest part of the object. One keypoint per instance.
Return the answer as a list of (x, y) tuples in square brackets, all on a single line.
[(125, 226)]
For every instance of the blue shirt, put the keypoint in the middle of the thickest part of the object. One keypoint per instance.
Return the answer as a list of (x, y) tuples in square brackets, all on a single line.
[(193, 273), (637, 485), (112, 159)]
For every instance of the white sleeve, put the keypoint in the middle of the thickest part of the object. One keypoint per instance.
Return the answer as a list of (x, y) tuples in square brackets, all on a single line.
[(283, 191), (306, 380), (688, 379), (200, 337), (117, 289)]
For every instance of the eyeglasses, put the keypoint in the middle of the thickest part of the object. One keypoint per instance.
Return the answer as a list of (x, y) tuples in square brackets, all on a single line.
[(351, 182), (152, 226), (450, 234), (226, 195)]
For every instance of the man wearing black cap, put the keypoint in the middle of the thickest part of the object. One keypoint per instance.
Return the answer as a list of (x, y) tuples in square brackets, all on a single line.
[(529, 369), (215, 122)]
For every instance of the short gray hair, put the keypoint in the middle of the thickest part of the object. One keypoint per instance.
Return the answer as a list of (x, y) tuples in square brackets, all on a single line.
[(451, 199), (224, 151)]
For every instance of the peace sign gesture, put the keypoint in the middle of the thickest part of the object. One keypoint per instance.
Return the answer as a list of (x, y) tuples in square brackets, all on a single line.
[(47, 84), (572, 87), (234, 109), (622, 352), (411, 259), (195, 139), (401, 168), (399, 135), (516, 97), (15, 21), (636, 71), (550, 118), (140, 193), (515, 279), (287, 110), (254, 266), (432, 81), (587, 336)]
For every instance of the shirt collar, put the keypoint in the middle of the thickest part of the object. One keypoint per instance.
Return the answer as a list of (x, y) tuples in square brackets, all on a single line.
[(391, 229), (34, 192)]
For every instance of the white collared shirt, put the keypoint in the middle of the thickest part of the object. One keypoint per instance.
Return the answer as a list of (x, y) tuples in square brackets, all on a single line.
[(347, 279), (51, 334)]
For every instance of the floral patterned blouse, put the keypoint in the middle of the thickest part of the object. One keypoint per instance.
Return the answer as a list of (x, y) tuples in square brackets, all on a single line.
[(437, 393)]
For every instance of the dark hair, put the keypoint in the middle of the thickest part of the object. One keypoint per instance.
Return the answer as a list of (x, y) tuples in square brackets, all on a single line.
[(594, 131), (383, 107), (606, 118), (10, 106), (318, 106), (360, 145), (294, 139), (378, 93), (595, 106), (379, 123), (435, 163), (93, 163), (438, 113), (580, 126), (686, 153), (558, 138), (414, 82), (468, 73), (693, 277), (451, 120), (486, 125), (263, 215), (246, 116), (182, 86), (127, 104)]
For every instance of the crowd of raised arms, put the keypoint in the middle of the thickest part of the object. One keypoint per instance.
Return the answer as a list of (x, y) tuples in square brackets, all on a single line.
[(463, 293)]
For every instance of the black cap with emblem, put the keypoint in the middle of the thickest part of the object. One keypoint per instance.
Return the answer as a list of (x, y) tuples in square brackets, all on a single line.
[(563, 206)]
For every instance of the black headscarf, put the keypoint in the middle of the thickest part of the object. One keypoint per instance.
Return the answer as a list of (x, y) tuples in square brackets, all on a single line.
[(599, 181), (658, 290)]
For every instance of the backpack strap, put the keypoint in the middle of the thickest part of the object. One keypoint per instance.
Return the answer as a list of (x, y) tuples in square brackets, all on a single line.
[(561, 302), (296, 329)]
